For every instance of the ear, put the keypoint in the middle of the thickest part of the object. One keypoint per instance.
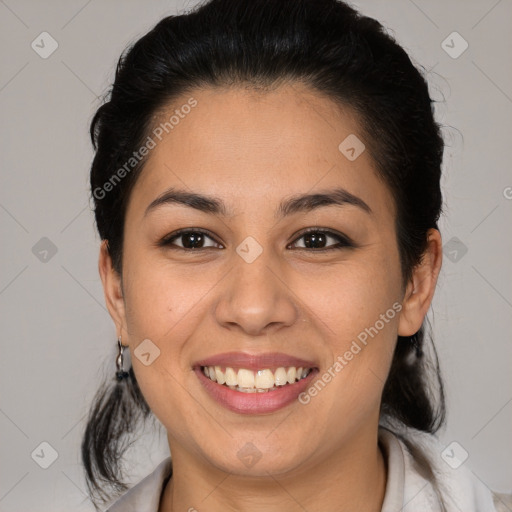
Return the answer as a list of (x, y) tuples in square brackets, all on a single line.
[(112, 289), (420, 288)]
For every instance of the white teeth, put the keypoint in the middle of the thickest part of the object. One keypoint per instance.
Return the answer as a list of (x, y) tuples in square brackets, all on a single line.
[(219, 375), (261, 381), (280, 377), (245, 378), (231, 379), (264, 379)]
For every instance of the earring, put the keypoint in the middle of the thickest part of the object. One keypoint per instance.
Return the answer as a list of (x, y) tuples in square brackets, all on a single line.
[(120, 373)]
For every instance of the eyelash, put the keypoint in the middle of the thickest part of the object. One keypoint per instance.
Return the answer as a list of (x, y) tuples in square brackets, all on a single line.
[(343, 241)]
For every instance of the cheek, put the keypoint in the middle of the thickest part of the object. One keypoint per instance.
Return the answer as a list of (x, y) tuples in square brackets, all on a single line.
[(354, 298), (159, 297), (162, 306), (359, 308)]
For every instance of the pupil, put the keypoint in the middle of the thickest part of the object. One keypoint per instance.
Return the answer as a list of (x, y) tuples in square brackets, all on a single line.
[(195, 240), (311, 238)]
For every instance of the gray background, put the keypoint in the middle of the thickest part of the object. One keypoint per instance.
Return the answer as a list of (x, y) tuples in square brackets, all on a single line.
[(57, 340)]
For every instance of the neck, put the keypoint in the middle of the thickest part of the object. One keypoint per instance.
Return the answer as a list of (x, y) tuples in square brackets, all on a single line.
[(349, 479)]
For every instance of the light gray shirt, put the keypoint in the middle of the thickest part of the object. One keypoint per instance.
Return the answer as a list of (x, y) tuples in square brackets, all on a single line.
[(408, 488)]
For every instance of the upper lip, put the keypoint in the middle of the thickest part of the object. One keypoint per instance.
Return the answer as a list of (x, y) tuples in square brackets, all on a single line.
[(254, 361)]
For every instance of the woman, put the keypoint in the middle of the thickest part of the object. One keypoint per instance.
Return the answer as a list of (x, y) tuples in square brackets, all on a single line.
[(266, 187)]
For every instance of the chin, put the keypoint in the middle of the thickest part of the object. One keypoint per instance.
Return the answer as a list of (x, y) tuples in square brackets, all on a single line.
[(249, 460)]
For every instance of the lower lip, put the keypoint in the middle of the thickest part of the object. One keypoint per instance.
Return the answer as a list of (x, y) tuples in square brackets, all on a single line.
[(254, 403)]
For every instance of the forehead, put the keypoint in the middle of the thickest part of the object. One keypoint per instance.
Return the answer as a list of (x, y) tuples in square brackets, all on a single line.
[(258, 146)]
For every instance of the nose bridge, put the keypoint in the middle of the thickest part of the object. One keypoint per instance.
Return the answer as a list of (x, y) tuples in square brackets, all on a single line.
[(254, 299), (254, 280)]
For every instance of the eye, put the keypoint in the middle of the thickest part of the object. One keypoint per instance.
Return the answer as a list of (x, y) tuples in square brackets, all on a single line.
[(191, 240), (317, 240), (314, 238)]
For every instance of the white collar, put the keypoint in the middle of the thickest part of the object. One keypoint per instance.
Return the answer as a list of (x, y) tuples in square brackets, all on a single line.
[(408, 487)]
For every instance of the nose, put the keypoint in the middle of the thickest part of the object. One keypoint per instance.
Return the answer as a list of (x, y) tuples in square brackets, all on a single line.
[(256, 299)]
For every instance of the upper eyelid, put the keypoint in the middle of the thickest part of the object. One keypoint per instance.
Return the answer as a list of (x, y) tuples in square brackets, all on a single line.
[(329, 232), (173, 236)]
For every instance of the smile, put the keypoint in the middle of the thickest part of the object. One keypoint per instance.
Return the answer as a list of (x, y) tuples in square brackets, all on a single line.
[(260, 381), (254, 383)]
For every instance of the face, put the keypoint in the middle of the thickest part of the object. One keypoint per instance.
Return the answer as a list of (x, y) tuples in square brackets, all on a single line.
[(261, 283)]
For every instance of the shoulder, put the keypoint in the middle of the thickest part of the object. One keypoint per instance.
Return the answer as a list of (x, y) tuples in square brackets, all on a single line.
[(145, 496), (432, 477)]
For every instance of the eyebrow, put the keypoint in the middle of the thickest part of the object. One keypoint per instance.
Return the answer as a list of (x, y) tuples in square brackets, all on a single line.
[(294, 204)]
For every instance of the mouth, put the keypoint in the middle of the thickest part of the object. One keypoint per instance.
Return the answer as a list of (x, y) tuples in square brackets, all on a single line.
[(244, 380), (254, 384)]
